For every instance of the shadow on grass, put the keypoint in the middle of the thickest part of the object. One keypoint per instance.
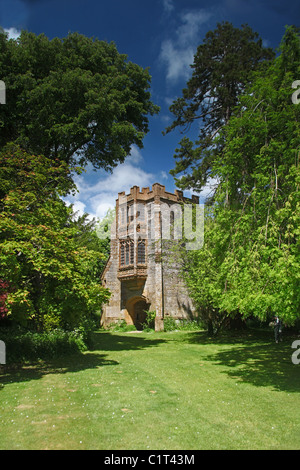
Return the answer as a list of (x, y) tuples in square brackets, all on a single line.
[(101, 341), (75, 363), (253, 357), (106, 341)]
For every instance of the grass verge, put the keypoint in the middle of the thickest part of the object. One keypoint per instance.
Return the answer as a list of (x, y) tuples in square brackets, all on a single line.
[(158, 391)]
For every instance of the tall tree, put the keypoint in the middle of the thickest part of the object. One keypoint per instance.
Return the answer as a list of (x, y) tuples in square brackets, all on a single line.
[(51, 269), (252, 246), (222, 67), (76, 99)]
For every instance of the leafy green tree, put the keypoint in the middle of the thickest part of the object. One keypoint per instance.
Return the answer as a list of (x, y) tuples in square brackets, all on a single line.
[(200, 269), (261, 171), (76, 99), (250, 262), (47, 267), (88, 236), (222, 68)]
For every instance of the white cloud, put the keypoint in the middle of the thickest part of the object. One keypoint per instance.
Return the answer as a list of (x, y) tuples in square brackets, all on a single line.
[(206, 191), (78, 208), (177, 60), (122, 178), (135, 156), (168, 5), (188, 31), (102, 203), (178, 53), (164, 175), (97, 198), (13, 33)]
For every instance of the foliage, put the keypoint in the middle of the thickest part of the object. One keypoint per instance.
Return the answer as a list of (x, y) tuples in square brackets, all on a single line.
[(3, 296), (23, 345), (87, 235), (76, 99), (69, 101), (149, 323), (121, 325), (250, 262), (52, 276), (222, 68), (104, 230), (170, 324)]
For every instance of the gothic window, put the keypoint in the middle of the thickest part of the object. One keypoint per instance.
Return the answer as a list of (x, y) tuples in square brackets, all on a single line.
[(126, 252), (122, 253), (131, 252), (127, 247), (141, 252)]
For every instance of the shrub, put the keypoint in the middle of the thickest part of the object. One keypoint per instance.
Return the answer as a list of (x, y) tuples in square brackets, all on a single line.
[(149, 324), (170, 324), (121, 326), (24, 345)]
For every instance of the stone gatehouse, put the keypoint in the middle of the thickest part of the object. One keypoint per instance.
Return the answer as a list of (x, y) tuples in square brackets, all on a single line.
[(139, 273)]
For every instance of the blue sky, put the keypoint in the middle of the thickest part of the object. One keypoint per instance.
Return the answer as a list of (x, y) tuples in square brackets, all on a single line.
[(160, 34)]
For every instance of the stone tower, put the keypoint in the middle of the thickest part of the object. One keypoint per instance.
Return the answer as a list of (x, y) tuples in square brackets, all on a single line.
[(138, 274)]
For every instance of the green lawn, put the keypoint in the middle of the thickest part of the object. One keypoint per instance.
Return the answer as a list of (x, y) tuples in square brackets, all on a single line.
[(157, 391)]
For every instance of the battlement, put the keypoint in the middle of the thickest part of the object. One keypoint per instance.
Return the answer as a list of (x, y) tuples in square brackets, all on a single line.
[(158, 191)]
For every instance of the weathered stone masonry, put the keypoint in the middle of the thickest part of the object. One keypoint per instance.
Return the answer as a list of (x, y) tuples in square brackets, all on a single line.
[(137, 274)]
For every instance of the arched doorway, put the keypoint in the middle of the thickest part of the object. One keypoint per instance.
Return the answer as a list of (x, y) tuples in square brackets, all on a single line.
[(140, 308), (137, 308)]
